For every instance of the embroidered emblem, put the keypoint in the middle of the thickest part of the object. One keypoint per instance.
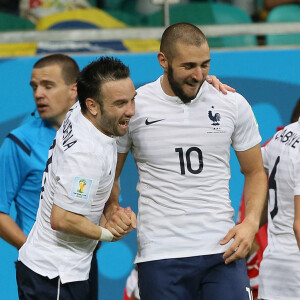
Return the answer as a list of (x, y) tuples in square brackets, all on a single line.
[(215, 118), (81, 188)]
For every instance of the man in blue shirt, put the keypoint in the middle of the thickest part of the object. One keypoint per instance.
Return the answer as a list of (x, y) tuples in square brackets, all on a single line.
[(24, 152)]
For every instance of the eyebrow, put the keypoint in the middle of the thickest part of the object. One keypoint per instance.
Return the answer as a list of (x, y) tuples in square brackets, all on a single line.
[(207, 61), (121, 100), (42, 82), (194, 63)]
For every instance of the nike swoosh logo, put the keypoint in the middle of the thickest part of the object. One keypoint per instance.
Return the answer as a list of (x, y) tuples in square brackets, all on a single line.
[(151, 122)]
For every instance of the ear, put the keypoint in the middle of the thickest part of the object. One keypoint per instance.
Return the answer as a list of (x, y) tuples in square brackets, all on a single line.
[(74, 88), (92, 106), (73, 91), (162, 61)]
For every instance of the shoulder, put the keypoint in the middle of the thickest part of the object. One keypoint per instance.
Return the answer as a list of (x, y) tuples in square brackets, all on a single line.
[(231, 98), (148, 89), (295, 126), (78, 135), (232, 104), (149, 96), (150, 85), (31, 133), (292, 129), (32, 129), (27, 128)]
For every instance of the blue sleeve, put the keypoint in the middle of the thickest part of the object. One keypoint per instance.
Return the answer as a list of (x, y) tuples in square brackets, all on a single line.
[(13, 171)]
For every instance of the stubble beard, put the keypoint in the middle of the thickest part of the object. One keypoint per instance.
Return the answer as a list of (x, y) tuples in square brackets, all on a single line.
[(178, 91)]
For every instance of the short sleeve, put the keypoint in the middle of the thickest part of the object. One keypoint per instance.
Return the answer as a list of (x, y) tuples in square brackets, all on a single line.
[(265, 157), (246, 134), (124, 143), (76, 182), (13, 171)]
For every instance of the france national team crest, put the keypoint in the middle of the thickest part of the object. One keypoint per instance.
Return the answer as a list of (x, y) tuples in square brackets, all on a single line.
[(81, 188), (215, 118)]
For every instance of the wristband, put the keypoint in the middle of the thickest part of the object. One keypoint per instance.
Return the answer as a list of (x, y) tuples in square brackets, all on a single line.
[(106, 235)]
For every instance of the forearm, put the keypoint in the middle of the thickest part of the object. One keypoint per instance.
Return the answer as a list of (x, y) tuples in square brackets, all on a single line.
[(264, 216), (255, 192), (255, 196), (112, 203), (75, 224), (11, 232), (297, 232), (243, 234)]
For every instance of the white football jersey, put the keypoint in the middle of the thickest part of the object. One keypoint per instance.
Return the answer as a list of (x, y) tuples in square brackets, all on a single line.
[(281, 258), (78, 178), (182, 153)]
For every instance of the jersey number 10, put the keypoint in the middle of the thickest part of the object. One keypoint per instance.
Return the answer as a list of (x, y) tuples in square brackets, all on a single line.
[(198, 164)]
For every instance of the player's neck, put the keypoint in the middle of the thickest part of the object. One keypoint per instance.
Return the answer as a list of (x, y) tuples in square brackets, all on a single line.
[(165, 85)]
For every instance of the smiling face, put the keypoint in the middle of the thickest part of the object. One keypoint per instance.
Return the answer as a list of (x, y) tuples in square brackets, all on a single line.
[(53, 97), (185, 71), (118, 107)]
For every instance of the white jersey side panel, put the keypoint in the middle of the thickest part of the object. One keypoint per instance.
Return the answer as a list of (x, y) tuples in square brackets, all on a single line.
[(182, 153), (78, 178), (281, 259)]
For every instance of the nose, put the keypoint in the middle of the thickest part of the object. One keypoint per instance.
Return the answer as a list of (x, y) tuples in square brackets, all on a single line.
[(130, 111), (38, 92), (197, 74)]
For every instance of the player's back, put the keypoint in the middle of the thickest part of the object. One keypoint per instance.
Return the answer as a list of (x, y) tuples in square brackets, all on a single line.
[(281, 258), (281, 157)]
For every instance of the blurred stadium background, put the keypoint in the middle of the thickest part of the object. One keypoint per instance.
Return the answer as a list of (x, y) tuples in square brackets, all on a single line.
[(257, 53)]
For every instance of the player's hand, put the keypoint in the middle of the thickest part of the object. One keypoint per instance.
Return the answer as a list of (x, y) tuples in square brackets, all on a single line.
[(121, 222), (243, 236), (217, 84)]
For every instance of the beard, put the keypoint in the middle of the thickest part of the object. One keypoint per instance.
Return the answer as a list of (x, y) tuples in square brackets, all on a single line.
[(178, 90), (109, 124)]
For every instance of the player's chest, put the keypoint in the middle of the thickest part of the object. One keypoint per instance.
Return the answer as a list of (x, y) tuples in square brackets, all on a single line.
[(182, 125)]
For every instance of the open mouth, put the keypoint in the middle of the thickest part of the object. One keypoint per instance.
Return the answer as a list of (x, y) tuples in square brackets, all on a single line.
[(193, 84), (124, 124)]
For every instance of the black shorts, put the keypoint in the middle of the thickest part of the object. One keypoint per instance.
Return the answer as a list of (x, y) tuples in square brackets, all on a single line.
[(194, 278), (32, 286)]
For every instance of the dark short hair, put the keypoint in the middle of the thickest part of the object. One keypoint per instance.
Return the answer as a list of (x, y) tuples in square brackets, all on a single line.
[(69, 67), (296, 112), (96, 73), (186, 33)]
